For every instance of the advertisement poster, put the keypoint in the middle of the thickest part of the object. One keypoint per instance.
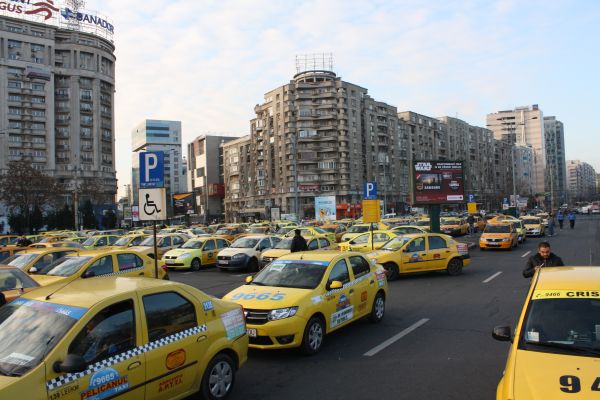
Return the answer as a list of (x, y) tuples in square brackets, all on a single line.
[(183, 203), (325, 208), (135, 213), (438, 182)]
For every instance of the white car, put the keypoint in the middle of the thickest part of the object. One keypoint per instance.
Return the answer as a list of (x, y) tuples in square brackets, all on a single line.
[(245, 252)]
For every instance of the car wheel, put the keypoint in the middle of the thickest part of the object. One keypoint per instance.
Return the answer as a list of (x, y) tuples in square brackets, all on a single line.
[(314, 334), (218, 378), (253, 265), (455, 267), (195, 264), (392, 271), (378, 310)]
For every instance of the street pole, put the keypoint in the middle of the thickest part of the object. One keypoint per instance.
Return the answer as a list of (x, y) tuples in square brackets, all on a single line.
[(295, 151), (514, 167), (155, 250)]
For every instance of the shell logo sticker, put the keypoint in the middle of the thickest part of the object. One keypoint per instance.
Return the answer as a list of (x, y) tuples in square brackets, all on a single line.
[(175, 359)]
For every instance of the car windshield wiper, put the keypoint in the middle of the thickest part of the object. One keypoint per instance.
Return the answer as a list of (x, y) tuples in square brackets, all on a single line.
[(257, 283), (8, 373), (564, 346)]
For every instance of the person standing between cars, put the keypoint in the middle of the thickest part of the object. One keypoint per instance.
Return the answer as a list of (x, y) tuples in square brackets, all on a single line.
[(298, 242), (551, 224), (471, 222), (572, 219), (543, 258), (560, 217)]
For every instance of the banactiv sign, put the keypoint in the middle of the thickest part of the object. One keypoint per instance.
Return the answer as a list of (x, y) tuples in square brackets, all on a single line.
[(438, 182)]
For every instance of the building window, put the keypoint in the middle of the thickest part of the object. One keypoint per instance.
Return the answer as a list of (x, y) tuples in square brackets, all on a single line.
[(39, 87), (14, 84), (38, 100)]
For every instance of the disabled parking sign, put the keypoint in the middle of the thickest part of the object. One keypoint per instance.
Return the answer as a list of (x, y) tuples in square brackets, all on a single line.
[(153, 204)]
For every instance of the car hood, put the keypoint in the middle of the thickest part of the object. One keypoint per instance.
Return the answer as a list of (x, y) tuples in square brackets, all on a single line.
[(531, 381), (496, 236), (248, 296), (375, 254), (46, 280), (178, 252), (276, 253), (142, 249), (533, 226), (233, 251)]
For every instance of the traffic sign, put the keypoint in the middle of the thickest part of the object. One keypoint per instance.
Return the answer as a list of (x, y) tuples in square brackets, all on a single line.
[(370, 191), (472, 208), (371, 211), (471, 198), (152, 169), (153, 204)]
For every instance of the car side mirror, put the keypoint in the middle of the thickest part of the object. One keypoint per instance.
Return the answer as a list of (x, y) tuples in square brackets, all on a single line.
[(88, 274), (335, 285), (249, 279), (502, 334), (72, 363), (33, 270)]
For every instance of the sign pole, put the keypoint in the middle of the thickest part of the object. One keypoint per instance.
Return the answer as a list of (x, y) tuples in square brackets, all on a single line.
[(372, 244), (434, 215), (155, 250)]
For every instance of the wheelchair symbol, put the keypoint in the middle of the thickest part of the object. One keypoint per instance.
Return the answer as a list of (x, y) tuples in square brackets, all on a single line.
[(150, 205)]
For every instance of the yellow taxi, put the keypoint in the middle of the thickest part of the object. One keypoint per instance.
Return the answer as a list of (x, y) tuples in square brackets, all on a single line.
[(32, 260), (358, 229), (8, 240), (479, 223), (422, 252), (454, 226), (367, 241), (554, 352), (408, 229), (284, 230), (9, 251), (129, 240), (424, 223), (499, 235), (297, 299), (100, 241), (337, 229), (94, 263), (230, 232), (13, 283), (534, 226), (311, 232), (164, 243), (62, 243), (284, 247), (123, 338), (195, 253), (256, 230)]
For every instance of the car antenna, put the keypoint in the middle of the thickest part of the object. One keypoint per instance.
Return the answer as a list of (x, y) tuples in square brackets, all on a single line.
[(62, 287)]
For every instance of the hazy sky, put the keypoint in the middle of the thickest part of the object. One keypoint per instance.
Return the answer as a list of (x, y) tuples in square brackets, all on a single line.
[(207, 63)]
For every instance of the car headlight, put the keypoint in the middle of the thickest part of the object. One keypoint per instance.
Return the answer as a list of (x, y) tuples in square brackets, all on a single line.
[(185, 255), (506, 240), (238, 256), (282, 313)]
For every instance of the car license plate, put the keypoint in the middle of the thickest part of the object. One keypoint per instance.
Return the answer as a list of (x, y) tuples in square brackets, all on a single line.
[(169, 262), (223, 262), (494, 244), (251, 332)]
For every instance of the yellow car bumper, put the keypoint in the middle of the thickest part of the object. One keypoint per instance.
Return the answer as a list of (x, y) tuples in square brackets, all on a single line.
[(282, 334)]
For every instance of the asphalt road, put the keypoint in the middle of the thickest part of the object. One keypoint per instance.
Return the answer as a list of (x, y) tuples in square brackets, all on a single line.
[(445, 349)]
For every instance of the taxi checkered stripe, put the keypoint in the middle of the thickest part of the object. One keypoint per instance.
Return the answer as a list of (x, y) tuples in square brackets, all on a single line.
[(68, 378), (123, 272), (351, 283)]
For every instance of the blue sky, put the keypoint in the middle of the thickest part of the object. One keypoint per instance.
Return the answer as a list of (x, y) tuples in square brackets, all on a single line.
[(207, 63)]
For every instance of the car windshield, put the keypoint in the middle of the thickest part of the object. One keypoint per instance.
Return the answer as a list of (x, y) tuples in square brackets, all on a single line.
[(20, 260), (284, 230), (562, 321), (192, 244), (449, 221), (124, 241), (89, 241), (531, 221), (396, 243), (497, 229), (257, 229), (293, 274), (148, 242), (358, 229), (65, 266), (29, 330), (223, 232), (319, 230), (11, 279), (244, 243), (285, 244)]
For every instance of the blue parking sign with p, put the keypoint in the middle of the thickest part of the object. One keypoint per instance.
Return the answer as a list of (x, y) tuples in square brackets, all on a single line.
[(471, 198), (370, 192), (152, 169)]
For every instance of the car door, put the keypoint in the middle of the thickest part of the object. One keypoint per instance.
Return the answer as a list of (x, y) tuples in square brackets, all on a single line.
[(173, 324), (338, 306), (109, 342), (361, 242), (209, 252), (413, 255), (221, 244), (364, 288), (102, 266), (437, 253), (130, 264)]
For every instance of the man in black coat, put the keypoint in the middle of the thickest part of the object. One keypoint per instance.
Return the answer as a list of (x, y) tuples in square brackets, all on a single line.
[(298, 242), (543, 258)]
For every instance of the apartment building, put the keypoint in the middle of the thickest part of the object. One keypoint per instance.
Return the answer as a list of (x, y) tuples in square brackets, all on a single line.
[(581, 178), (205, 175), (556, 171), (316, 135), (57, 86)]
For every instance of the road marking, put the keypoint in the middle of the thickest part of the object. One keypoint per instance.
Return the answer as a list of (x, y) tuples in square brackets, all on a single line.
[(526, 254), (395, 338), (492, 277)]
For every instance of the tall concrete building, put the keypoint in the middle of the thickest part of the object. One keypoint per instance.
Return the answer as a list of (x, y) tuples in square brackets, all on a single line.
[(524, 126), (581, 180), (556, 171), (165, 136), (315, 136), (205, 175), (57, 89), (522, 166)]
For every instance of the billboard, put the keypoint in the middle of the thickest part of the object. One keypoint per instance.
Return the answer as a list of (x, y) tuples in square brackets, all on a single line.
[(135, 213), (325, 208), (183, 203), (438, 182)]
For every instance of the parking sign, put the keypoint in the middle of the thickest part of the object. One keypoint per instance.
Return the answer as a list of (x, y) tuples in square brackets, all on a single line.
[(370, 191), (152, 169)]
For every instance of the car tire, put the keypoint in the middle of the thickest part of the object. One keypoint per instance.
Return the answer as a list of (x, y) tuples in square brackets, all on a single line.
[(253, 265), (314, 335), (378, 309), (219, 378), (393, 272), (455, 267), (195, 264)]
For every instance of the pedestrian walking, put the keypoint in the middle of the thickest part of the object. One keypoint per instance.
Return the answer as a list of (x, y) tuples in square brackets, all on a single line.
[(551, 225), (572, 219), (298, 242), (560, 217), (471, 222), (543, 258)]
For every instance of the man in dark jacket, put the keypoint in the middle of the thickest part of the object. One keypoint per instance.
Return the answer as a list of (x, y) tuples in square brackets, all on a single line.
[(543, 258), (298, 242)]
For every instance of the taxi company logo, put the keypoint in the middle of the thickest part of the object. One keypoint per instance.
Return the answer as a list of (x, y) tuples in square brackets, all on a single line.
[(44, 8), (342, 303), (67, 13), (105, 383), (423, 166)]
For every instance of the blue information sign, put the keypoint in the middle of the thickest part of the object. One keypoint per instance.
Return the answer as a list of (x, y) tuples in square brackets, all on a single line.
[(152, 169), (471, 198), (370, 191)]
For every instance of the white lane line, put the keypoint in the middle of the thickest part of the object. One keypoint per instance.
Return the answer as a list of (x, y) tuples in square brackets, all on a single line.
[(492, 277), (395, 338), (526, 254)]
